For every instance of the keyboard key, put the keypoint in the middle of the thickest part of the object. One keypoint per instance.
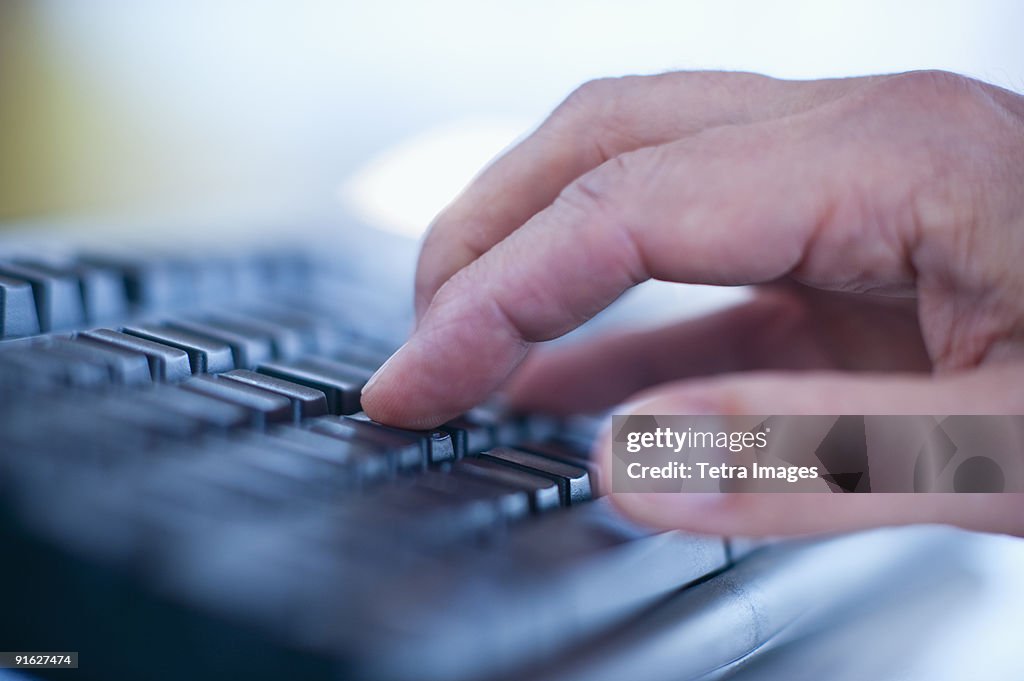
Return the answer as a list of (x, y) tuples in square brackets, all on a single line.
[(82, 369), (147, 413), (284, 271), (205, 355), (19, 373), (334, 471), (215, 415), (17, 309), (427, 517), (566, 453), (481, 429), (165, 363), (542, 491), (150, 282), (512, 502), (102, 290), (241, 480), (366, 459), (311, 476), (439, 445), (57, 297), (124, 367), (53, 367), (360, 353), (263, 406), (582, 430), (247, 350), (405, 452), (317, 333), (504, 429), (285, 342), (341, 383), (573, 481), (306, 402)]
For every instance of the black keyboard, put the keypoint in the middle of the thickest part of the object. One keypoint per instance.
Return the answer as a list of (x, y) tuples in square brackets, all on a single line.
[(188, 489)]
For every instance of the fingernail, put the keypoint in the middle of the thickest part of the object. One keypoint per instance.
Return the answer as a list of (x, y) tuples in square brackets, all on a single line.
[(383, 367)]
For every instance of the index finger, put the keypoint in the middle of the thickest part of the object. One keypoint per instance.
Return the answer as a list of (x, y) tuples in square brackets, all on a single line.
[(602, 119), (727, 207)]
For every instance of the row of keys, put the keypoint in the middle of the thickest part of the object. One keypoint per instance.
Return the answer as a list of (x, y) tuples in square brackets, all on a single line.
[(43, 296), (219, 403), (277, 343), (202, 445)]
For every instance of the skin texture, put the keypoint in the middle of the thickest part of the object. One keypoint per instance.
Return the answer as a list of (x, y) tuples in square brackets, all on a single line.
[(881, 218)]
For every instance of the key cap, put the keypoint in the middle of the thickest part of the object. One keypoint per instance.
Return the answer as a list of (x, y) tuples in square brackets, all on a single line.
[(82, 369), (285, 342), (573, 481), (306, 402), (477, 431), (264, 407), (247, 350), (543, 492), (214, 414), (57, 297), (566, 453), (102, 290), (77, 434), (426, 517), (312, 477), (17, 309), (19, 373), (204, 355), (339, 471), (341, 383), (512, 502), (317, 333), (503, 431), (582, 430), (359, 353), (165, 363), (406, 453), (126, 368), (122, 367), (150, 282), (235, 484), (365, 458), (439, 445), (215, 279), (143, 412), (49, 367)]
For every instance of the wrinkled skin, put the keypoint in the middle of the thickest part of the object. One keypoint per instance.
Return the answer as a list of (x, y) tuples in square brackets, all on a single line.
[(881, 218)]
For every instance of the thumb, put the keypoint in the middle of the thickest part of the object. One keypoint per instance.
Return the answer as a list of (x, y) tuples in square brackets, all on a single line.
[(990, 390)]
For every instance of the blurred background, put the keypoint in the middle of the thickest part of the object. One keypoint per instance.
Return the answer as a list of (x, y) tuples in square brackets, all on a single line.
[(237, 109), (225, 112)]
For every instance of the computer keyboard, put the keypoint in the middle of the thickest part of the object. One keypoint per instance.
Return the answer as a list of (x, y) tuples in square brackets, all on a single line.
[(189, 489)]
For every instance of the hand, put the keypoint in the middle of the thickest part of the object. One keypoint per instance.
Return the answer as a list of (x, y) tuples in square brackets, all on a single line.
[(883, 218)]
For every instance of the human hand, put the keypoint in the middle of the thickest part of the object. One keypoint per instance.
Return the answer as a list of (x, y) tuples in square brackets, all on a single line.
[(882, 217)]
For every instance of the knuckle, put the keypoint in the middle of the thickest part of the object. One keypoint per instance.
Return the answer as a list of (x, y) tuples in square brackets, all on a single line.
[(927, 80), (599, 192), (595, 108), (593, 192), (589, 98), (956, 97)]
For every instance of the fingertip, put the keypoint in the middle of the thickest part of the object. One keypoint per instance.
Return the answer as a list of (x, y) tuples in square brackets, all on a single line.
[(388, 397)]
